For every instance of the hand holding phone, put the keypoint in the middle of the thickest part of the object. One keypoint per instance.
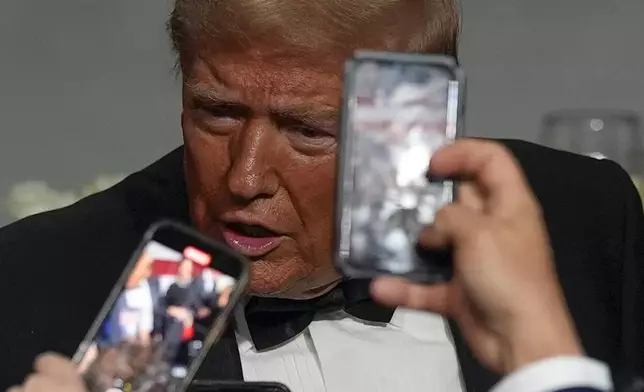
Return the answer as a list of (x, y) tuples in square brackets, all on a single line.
[(165, 312), (52, 373), (398, 110)]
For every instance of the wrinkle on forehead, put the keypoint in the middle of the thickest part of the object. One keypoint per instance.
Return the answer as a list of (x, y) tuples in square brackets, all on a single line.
[(252, 78)]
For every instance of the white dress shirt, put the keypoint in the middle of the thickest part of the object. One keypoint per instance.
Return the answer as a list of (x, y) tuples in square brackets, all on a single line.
[(558, 373), (414, 352)]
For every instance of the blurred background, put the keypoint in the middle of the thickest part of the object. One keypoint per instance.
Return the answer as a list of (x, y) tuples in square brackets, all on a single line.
[(89, 93)]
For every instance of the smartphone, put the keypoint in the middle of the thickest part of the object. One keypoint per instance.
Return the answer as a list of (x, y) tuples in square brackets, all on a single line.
[(233, 386), (398, 109), (169, 306)]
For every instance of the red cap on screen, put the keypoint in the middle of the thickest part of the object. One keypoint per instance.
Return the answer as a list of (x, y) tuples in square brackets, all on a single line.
[(200, 257)]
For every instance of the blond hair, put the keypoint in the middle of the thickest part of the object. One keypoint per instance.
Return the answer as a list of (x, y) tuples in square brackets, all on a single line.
[(316, 26)]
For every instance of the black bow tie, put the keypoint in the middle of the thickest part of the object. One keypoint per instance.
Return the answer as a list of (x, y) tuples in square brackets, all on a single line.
[(273, 321)]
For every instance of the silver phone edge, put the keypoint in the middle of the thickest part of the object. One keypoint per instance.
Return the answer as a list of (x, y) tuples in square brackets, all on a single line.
[(457, 88)]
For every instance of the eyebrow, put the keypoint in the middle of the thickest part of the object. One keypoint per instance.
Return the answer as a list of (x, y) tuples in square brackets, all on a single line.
[(322, 115), (210, 95), (313, 115)]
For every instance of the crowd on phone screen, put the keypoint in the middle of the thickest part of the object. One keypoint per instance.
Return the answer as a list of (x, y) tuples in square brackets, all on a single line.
[(160, 320)]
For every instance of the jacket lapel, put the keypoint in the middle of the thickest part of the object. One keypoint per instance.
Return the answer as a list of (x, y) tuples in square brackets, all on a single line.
[(222, 362), (159, 192)]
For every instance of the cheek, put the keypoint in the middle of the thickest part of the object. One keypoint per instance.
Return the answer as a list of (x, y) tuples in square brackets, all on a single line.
[(314, 197), (206, 163)]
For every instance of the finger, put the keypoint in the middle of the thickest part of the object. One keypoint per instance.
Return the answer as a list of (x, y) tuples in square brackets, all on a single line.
[(470, 196), (56, 366), (39, 383), (476, 329), (456, 224), (15, 388), (392, 291), (430, 238), (490, 165)]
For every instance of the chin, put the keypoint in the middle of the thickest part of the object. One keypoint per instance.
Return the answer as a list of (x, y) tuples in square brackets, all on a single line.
[(291, 278), (273, 278), (292, 281)]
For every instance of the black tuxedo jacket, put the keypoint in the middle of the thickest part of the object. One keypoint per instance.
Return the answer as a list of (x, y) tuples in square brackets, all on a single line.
[(57, 268)]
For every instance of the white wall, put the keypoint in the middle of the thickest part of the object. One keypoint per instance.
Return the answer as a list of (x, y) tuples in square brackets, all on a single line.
[(526, 57)]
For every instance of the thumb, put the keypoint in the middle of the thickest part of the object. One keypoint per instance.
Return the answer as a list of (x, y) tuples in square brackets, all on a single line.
[(455, 224), (56, 366)]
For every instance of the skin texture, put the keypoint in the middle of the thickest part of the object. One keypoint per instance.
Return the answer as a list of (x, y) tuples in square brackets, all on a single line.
[(52, 373), (260, 132), (185, 270), (141, 271)]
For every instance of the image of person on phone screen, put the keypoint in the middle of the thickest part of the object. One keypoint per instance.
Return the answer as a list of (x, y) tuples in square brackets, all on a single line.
[(132, 317), (124, 342), (182, 306)]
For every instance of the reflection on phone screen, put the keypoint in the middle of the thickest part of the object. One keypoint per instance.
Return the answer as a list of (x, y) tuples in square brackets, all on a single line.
[(399, 116), (158, 324)]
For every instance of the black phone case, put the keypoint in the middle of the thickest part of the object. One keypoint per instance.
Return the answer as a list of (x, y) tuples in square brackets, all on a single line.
[(435, 266), (236, 386)]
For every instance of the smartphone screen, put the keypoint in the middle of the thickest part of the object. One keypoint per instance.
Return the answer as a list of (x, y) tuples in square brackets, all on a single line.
[(399, 109), (169, 306)]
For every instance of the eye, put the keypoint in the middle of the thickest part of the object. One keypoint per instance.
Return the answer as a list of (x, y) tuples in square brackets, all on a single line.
[(223, 120), (224, 112), (310, 140), (220, 118), (309, 132)]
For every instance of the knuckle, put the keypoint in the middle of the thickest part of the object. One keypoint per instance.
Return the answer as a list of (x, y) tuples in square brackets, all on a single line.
[(531, 207), (506, 158), (482, 236), (33, 382), (42, 360), (416, 301), (500, 150), (445, 213)]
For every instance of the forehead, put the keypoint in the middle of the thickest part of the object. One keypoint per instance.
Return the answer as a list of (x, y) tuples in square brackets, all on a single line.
[(267, 79)]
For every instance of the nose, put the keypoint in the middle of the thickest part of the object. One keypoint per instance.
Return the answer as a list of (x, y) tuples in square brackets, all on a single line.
[(252, 173)]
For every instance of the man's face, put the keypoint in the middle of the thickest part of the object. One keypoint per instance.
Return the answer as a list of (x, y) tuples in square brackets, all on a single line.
[(261, 136), (185, 269), (141, 271)]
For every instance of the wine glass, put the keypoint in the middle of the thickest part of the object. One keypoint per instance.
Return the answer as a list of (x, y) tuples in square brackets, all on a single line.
[(601, 134)]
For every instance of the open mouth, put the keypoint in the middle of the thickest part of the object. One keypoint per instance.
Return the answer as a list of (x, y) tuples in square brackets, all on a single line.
[(250, 240), (254, 231)]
